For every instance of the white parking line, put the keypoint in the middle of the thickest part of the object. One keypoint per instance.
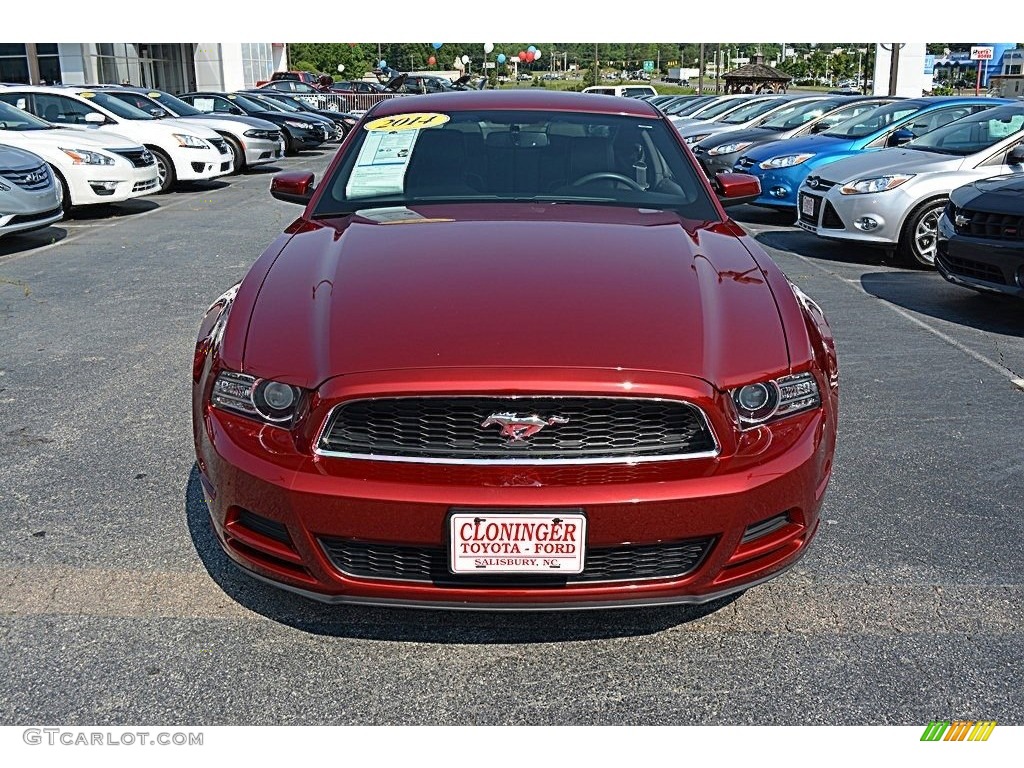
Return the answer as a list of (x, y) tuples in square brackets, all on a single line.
[(1002, 370)]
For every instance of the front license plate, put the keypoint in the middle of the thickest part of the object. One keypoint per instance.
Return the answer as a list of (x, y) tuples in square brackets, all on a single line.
[(807, 205), (508, 542)]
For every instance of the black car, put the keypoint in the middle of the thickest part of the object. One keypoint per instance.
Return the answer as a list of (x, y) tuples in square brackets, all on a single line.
[(981, 233), (719, 152), (298, 133), (343, 121)]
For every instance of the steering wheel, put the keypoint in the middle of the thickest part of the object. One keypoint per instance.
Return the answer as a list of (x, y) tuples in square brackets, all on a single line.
[(607, 175)]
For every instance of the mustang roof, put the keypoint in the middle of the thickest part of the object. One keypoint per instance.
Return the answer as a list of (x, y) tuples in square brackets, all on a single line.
[(559, 101)]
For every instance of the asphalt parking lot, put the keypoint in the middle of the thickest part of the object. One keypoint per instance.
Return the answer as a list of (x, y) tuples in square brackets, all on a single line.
[(116, 605)]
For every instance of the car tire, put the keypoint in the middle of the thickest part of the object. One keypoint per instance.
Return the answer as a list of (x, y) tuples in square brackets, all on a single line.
[(164, 170), (289, 144), (65, 200), (237, 153), (920, 233)]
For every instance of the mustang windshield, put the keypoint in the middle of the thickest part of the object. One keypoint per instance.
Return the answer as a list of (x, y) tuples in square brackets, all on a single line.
[(973, 134), (518, 156)]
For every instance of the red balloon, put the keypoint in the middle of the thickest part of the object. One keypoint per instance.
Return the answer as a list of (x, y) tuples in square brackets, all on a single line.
[(522, 55), (533, 56), (432, 60)]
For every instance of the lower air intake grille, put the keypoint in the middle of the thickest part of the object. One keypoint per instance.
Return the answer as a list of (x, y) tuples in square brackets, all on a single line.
[(430, 564), (979, 270), (259, 524)]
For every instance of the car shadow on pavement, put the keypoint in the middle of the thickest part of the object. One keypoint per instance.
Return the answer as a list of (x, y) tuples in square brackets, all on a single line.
[(752, 214), (112, 210), (26, 241), (928, 294), (806, 244), (413, 625), (191, 187)]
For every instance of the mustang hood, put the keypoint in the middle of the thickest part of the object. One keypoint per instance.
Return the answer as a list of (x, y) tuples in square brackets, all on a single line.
[(510, 285)]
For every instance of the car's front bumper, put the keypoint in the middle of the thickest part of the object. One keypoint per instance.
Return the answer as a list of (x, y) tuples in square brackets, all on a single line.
[(871, 219), (250, 468), (982, 264), (25, 210), (778, 186), (96, 185), (262, 151), (194, 164)]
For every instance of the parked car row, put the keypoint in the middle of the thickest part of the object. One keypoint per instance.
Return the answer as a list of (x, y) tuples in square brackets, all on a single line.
[(879, 171), (68, 146)]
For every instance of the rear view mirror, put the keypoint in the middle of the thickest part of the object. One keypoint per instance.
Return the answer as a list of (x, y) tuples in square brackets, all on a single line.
[(95, 117), (157, 112), (292, 187), (1016, 155), (821, 127), (736, 188)]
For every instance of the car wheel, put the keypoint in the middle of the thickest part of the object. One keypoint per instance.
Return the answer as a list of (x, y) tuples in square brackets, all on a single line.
[(164, 170), (289, 144), (65, 197), (920, 234), (237, 153)]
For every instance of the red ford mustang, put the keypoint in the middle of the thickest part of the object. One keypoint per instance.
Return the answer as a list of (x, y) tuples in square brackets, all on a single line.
[(514, 354)]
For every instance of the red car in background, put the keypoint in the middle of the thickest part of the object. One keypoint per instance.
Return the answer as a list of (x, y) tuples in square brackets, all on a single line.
[(514, 354)]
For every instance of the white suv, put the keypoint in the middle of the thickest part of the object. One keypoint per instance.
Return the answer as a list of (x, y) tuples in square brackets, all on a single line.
[(90, 167), (183, 151)]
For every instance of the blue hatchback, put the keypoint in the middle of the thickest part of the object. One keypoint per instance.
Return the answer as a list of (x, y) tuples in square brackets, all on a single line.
[(783, 165)]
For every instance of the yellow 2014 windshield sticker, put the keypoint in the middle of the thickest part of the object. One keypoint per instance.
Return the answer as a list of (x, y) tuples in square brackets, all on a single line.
[(411, 121)]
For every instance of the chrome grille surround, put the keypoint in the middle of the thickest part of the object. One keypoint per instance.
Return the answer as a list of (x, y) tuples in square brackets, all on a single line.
[(518, 454)]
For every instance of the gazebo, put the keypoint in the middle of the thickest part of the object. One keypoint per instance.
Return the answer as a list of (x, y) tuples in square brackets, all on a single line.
[(756, 77)]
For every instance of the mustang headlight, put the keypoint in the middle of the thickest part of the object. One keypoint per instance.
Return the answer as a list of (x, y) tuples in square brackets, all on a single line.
[(87, 157), (769, 400), (875, 184), (785, 161), (728, 149), (194, 142), (264, 399), (299, 124)]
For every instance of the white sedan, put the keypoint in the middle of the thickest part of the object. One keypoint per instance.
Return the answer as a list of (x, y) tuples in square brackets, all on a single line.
[(91, 168)]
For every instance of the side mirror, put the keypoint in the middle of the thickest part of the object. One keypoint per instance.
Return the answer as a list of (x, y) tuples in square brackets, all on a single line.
[(821, 126), (736, 188), (899, 137), (292, 187), (157, 112), (1016, 155), (95, 117)]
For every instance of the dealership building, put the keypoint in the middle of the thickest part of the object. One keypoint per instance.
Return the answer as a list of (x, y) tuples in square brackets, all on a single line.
[(174, 67)]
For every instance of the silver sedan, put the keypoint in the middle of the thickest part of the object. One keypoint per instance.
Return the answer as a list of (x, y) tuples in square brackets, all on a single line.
[(893, 197)]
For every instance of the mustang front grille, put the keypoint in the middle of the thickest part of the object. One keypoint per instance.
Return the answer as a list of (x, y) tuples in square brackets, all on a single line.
[(517, 429), (624, 563)]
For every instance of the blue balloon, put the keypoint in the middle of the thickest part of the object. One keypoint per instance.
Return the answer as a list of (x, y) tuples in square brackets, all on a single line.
[(532, 49), (501, 58), (382, 64), (437, 46)]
